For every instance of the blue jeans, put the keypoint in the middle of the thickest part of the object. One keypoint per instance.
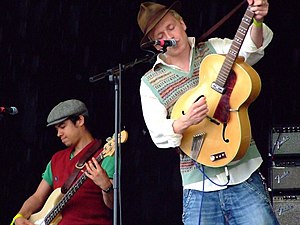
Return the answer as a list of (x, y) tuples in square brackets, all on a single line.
[(243, 204)]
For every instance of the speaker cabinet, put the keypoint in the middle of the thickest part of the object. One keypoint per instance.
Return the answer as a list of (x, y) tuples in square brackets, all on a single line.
[(287, 209), (285, 178), (285, 140)]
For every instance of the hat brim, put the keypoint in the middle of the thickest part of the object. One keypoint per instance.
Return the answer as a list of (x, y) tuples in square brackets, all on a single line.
[(57, 121), (175, 6)]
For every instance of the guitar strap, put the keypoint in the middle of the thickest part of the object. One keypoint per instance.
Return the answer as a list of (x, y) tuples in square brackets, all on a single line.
[(79, 165), (218, 24)]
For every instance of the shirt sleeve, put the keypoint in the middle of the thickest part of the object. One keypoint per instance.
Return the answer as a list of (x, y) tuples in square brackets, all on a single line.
[(47, 175), (248, 50), (108, 164), (155, 116)]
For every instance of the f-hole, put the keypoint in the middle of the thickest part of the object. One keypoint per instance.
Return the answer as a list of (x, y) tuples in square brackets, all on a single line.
[(183, 113), (223, 133)]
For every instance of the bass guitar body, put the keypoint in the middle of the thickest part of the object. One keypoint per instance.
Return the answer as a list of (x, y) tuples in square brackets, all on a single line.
[(225, 134), (39, 217)]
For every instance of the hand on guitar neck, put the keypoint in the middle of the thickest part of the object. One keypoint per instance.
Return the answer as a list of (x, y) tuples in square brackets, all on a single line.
[(260, 9)]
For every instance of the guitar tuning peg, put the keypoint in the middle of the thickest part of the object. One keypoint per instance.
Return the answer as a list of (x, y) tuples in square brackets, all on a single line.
[(108, 139)]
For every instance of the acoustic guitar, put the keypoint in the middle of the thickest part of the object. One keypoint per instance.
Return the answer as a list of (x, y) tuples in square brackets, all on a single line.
[(50, 213), (230, 85)]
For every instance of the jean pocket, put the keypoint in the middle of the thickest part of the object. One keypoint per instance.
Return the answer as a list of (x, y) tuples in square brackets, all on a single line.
[(255, 184)]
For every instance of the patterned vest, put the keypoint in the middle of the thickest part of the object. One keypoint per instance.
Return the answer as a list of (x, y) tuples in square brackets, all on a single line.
[(169, 84)]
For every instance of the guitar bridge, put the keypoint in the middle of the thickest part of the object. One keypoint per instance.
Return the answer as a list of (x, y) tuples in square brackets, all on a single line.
[(197, 145)]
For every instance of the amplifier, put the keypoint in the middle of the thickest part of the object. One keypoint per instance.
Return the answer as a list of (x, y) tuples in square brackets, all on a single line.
[(287, 209), (285, 176), (285, 140)]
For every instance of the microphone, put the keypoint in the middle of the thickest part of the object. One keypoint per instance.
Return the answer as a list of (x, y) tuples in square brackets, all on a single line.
[(161, 43), (10, 110)]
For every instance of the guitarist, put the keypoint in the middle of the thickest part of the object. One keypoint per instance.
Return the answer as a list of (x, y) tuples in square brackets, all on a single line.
[(234, 194), (93, 202)]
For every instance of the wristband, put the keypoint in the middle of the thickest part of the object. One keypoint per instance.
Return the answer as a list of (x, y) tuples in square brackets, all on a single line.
[(108, 189), (16, 217), (257, 23)]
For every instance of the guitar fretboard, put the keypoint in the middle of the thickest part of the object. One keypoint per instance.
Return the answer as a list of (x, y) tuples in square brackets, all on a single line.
[(235, 48)]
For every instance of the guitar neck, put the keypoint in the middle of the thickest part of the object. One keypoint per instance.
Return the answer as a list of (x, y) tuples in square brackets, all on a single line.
[(73, 189), (235, 47)]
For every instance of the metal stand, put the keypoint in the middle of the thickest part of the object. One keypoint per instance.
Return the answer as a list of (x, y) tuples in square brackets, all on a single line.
[(117, 83), (114, 75)]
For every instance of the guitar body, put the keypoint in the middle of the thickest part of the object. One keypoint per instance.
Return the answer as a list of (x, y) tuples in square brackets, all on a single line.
[(52, 200), (222, 142)]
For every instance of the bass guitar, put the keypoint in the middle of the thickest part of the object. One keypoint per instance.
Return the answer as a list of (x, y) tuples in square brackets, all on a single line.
[(230, 85), (50, 213)]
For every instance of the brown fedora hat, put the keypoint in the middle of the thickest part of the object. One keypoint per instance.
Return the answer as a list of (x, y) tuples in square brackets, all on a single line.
[(151, 13)]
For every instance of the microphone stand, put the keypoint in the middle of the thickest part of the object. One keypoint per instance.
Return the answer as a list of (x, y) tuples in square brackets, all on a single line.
[(116, 70), (114, 75)]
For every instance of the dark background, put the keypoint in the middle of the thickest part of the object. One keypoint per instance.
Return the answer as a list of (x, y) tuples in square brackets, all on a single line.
[(50, 48)]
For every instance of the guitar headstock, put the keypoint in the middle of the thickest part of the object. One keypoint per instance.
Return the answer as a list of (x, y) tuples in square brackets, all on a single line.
[(109, 147)]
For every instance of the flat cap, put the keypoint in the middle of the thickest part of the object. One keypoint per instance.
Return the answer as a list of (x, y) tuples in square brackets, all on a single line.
[(65, 109)]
